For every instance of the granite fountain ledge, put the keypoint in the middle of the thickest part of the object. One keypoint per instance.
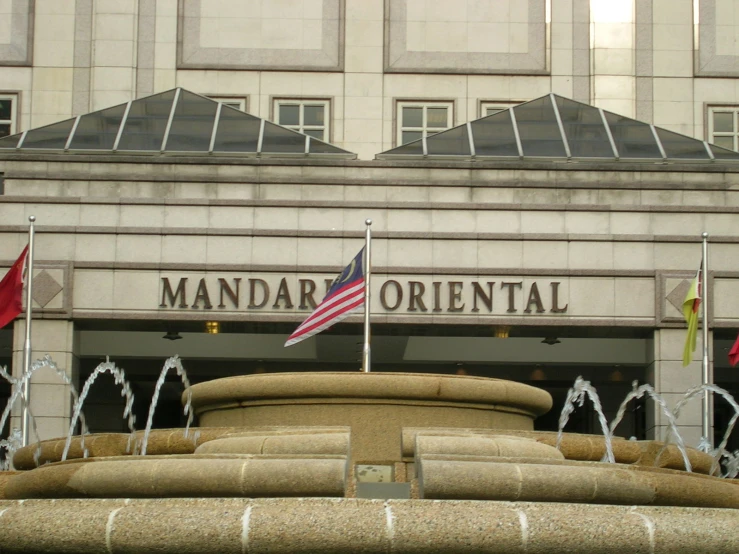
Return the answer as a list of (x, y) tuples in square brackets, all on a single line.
[(303, 525), (192, 475)]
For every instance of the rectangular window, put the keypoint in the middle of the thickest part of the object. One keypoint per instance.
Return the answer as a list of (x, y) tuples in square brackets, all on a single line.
[(422, 119), (310, 117), (723, 127), (236, 102), (491, 107), (8, 114)]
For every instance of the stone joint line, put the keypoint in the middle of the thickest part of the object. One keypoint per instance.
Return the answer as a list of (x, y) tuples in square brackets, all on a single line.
[(245, 520), (241, 477), (595, 487), (650, 529), (520, 480), (109, 528), (390, 523), (524, 522)]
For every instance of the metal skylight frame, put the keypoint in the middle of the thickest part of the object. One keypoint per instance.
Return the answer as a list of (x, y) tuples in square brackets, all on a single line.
[(214, 132), (516, 134), (22, 139), (122, 126), (709, 150), (557, 115), (617, 157), (659, 142), (471, 138), (607, 127), (260, 140), (168, 128), (303, 152), (70, 138)]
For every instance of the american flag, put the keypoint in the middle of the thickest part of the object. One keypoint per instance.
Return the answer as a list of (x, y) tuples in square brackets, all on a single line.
[(345, 296)]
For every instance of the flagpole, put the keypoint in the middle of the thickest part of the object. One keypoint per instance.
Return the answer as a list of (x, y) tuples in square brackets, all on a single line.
[(707, 373), (367, 275), (26, 420)]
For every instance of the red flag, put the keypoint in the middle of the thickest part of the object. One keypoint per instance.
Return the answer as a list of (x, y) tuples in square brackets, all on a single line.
[(11, 291), (345, 296), (734, 353)]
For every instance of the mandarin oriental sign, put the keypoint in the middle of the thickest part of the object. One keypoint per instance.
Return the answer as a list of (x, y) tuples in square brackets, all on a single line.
[(407, 294)]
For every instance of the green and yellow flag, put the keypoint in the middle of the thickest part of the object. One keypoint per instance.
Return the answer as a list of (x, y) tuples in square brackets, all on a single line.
[(690, 312)]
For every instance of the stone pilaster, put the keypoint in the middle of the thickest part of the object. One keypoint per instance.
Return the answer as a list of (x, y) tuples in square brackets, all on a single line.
[(671, 380), (51, 399)]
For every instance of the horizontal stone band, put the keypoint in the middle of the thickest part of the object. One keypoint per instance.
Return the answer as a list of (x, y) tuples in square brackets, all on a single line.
[(477, 478)]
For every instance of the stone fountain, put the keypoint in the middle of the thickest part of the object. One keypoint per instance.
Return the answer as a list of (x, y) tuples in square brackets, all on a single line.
[(367, 462)]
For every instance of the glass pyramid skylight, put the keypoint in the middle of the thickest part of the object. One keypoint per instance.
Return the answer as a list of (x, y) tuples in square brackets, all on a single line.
[(171, 122), (554, 128)]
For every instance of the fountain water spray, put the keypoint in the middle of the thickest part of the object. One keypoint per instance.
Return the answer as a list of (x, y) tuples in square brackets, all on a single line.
[(577, 394), (172, 363), (636, 393), (120, 379), (15, 438), (731, 464), (11, 444), (721, 449), (106, 367), (18, 388)]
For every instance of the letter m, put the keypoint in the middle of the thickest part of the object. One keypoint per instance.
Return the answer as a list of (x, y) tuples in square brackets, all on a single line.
[(169, 295)]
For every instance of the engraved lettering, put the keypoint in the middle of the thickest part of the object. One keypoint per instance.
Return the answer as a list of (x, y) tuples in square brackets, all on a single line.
[(233, 296), (283, 293), (168, 294), (511, 294), (455, 295), (202, 295), (555, 299), (487, 299), (398, 295), (253, 293), (307, 288), (417, 289), (437, 296), (534, 298)]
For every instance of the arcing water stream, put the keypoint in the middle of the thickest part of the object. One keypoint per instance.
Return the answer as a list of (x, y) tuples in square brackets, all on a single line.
[(580, 391)]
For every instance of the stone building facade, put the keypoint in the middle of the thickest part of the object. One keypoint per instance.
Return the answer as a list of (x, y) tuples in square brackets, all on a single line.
[(581, 264), (668, 62)]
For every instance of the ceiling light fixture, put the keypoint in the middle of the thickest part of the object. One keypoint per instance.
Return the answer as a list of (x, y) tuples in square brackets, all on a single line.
[(501, 331), (172, 335), (551, 340)]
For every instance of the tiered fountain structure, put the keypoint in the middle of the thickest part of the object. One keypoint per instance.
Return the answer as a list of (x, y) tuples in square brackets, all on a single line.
[(367, 462)]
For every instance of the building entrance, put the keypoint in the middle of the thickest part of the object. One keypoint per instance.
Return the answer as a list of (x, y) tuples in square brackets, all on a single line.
[(550, 359)]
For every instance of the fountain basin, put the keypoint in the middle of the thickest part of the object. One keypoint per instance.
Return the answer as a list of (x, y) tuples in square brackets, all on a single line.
[(478, 478), (375, 405)]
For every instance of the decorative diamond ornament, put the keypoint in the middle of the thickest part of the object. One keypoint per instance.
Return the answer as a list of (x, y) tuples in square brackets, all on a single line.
[(45, 288)]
